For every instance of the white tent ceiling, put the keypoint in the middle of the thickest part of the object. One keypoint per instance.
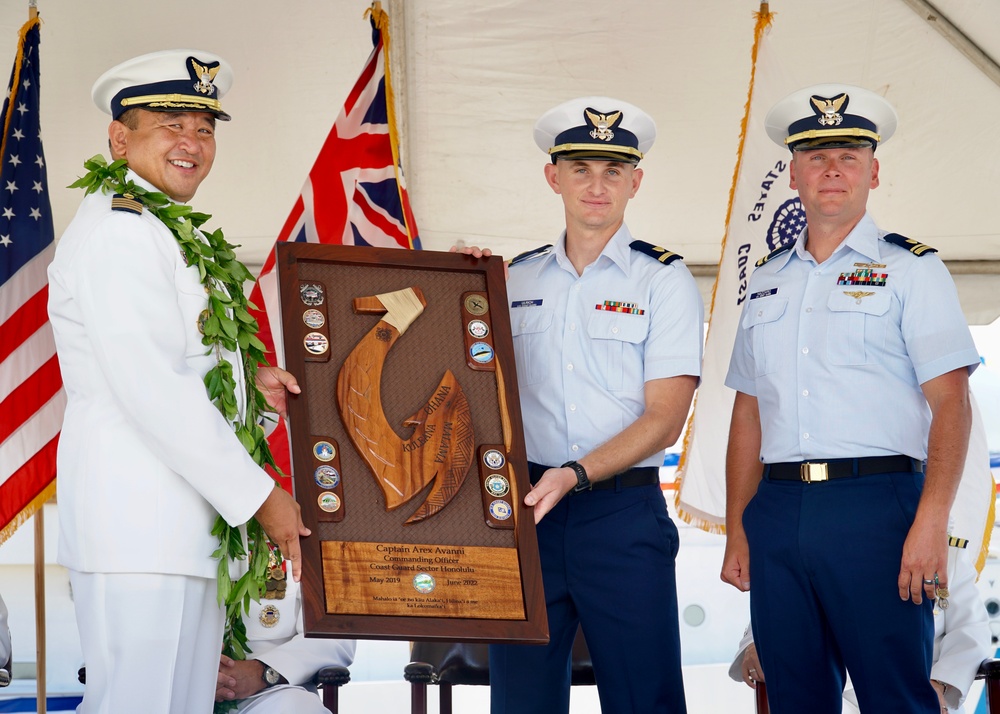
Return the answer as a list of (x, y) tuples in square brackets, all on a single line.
[(473, 76)]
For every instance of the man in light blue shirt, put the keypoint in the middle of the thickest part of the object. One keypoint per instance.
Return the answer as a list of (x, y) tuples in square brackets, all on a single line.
[(851, 368), (607, 338)]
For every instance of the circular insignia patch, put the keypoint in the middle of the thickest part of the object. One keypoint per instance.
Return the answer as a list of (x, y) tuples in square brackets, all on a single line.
[(326, 476), (202, 319), (311, 295), (788, 222), (316, 343), (479, 329), (500, 510), (481, 352), (424, 583), (324, 451), (477, 304), (269, 616), (497, 485), (329, 502), (494, 459), (313, 318)]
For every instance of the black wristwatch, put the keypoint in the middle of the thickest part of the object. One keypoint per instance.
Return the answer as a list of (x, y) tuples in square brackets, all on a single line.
[(582, 479), (271, 676)]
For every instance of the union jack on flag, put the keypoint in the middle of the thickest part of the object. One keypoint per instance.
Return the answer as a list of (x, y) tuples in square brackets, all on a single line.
[(32, 399), (354, 194)]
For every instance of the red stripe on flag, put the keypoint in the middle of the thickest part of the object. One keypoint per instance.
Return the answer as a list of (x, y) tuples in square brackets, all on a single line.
[(330, 190), (24, 485), (29, 396), (24, 323)]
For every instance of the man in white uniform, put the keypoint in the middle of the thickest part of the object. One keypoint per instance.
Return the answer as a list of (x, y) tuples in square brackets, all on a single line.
[(277, 677), (146, 461)]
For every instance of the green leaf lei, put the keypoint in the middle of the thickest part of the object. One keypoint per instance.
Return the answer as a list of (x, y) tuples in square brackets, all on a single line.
[(228, 325)]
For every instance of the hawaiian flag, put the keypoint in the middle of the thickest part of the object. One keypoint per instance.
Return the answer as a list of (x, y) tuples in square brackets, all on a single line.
[(32, 399), (354, 195)]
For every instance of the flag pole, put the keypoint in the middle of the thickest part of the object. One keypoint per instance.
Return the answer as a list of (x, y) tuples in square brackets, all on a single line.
[(40, 651), (40, 664)]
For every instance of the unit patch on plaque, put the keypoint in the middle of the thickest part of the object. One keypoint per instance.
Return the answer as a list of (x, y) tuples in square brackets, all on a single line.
[(478, 329), (497, 485), (500, 510), (329, 502), (494, 459), (311, 295), (313, 318), (324, 451), (481, 352), (477, 304), (326, 476), (316, 343)]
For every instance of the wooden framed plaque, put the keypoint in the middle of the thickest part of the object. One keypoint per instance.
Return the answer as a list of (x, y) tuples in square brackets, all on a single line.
[(408, 454)]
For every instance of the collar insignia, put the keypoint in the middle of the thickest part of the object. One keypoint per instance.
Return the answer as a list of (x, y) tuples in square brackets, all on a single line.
[(204, 74), (603, 124), (829, 110)]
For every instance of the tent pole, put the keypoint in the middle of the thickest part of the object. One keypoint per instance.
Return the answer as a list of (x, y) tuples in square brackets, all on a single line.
[(959, 40)]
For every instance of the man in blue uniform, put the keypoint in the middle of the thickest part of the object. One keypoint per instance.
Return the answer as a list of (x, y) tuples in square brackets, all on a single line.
[(849, 429), (607, 338)]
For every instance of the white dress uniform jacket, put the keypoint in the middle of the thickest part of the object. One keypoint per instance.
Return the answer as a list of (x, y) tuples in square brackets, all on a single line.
[(284, 648), (145, 460)]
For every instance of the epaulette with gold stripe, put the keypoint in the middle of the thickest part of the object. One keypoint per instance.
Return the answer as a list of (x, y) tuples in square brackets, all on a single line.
[(954, 542), (654, 251), (531, 254), (915, 247), (125, 202), (776, 252)]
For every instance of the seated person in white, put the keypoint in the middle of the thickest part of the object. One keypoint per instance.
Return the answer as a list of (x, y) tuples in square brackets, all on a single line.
[(277, 675), (961, 640), (4, 635)]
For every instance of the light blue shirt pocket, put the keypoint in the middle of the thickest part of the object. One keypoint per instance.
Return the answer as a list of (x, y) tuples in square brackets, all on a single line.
[(617, 343), (858, 323), (531, 348), (762, 319)]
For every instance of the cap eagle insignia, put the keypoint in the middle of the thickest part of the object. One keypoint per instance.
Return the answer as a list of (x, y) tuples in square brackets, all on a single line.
[(829, 109), (205, 75), (603, 124)]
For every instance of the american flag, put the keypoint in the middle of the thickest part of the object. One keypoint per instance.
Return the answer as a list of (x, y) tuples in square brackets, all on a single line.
[(31, 395), (354, 194)]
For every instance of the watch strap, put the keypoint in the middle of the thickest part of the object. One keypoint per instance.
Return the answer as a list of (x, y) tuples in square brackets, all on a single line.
[(582, 479)]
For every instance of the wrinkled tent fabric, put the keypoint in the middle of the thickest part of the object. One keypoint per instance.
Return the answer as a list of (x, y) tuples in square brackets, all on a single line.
[(475, 77)]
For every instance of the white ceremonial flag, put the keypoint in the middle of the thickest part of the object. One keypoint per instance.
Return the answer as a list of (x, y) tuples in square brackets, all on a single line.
[(764, 213)]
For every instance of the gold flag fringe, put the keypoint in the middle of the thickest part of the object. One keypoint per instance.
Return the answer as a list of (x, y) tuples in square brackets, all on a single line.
[(984, 547), (16, 79), (764, 17), (28, 511), (381, 19)]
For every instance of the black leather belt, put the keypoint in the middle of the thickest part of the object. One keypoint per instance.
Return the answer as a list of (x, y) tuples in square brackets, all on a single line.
[(815, 471), (637, 476)]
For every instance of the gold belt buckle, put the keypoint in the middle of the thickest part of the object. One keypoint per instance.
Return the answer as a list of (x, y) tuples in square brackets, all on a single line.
[(811, 473)]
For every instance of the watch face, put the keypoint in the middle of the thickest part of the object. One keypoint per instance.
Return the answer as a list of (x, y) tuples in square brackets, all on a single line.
[(271, 676)]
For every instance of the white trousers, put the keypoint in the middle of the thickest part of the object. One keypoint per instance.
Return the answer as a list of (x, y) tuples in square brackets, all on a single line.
[(284, 700), (151, 642)]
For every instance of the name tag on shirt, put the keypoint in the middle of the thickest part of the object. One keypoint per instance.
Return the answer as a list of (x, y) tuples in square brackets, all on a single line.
[(526, 303), (764, 293)]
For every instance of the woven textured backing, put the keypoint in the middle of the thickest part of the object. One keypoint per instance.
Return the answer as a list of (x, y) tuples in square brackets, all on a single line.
[(433, 344)]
